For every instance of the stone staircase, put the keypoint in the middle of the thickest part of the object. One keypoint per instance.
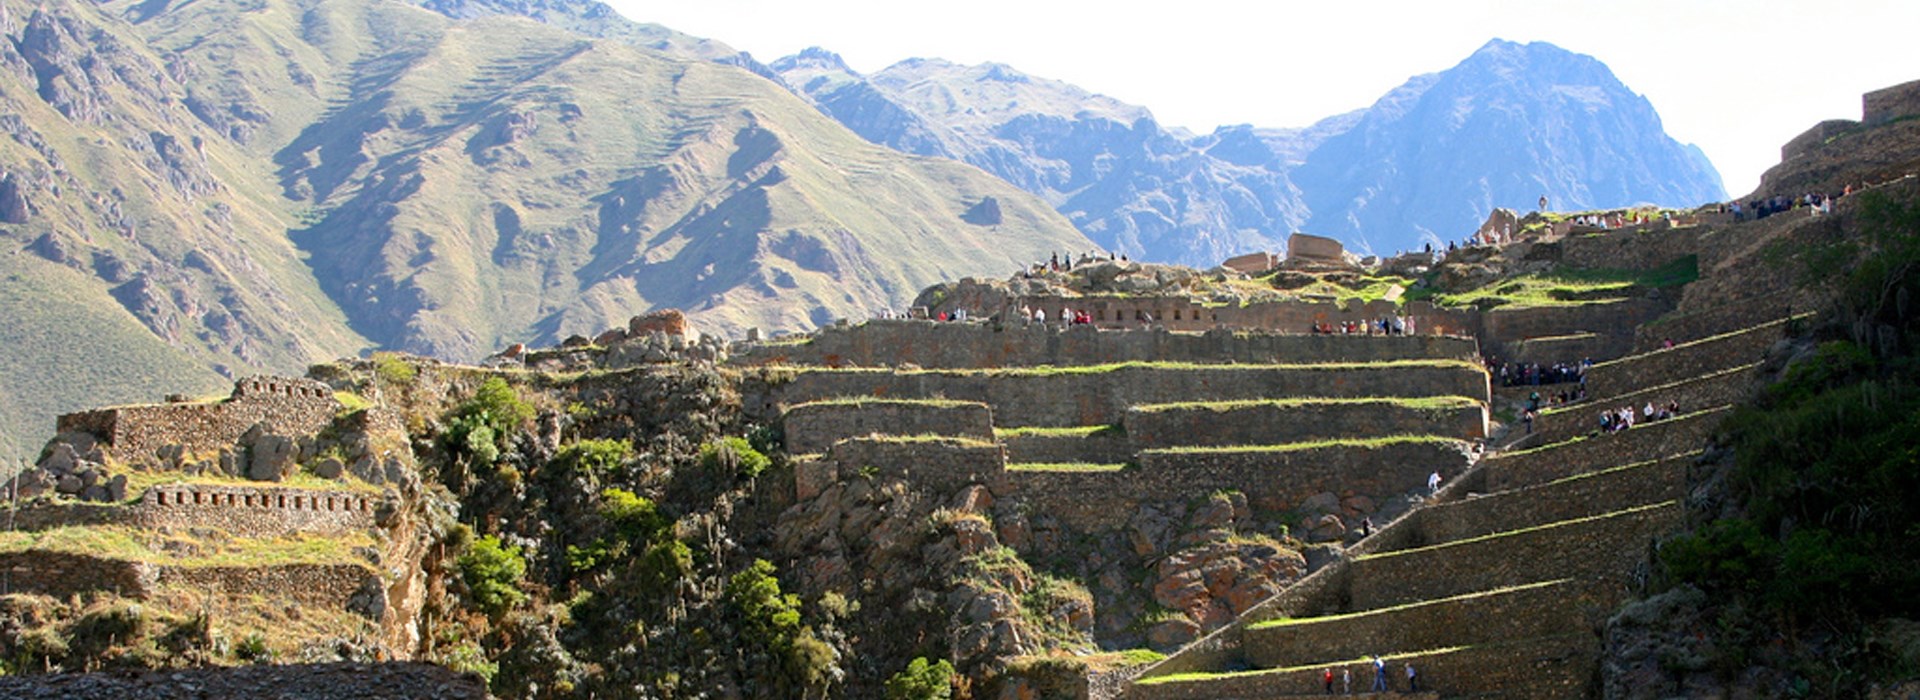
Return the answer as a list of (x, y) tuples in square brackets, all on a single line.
[(1497, 586)]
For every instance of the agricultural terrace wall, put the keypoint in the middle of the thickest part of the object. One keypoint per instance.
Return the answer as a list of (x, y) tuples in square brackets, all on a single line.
[(1502, 327), (1567, 348), (1101, 396), (1589, 495), (60, 574), (1092, 501), (281, 405), (1271, 423), (1888, 104), (1643, 442), (331, 586), (1288, 316), (884, 343), (938, 464), (242, 511), (1638, 249), (1107, 447), (1817, 136), (1320, 593), (1722, 388), (1560, 667), (1521, 613), (1684, 361), (813, 427), (1686, 326), (1602, 549)]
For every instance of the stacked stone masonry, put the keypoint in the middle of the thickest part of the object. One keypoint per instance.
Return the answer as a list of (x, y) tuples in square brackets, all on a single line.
[(1479, 618), (1072, 398), (813, 427), (1559, 666), (1718, 389), (1685, 361), (241, 511), (1642, 443), (976, 345), (1281, 423), (281, 406)]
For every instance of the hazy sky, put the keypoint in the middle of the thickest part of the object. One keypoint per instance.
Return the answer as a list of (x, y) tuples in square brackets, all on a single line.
[(1737, 77)]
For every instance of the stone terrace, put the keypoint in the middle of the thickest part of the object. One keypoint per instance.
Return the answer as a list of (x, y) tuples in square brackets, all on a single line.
[(1510, 566)]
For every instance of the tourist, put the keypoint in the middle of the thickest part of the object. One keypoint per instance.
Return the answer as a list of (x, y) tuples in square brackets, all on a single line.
[(1380, 675), (1346, 681), (1543, 203), (1413, 681), (1366, 527), (1433, 483), (1527, 417), (1329, 678)]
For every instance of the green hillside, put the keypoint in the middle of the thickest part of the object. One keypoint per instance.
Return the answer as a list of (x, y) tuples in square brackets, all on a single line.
[(265, 184)]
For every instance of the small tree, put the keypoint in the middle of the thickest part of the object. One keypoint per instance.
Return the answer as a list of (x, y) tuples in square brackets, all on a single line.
[(493, 573), (922, 681)]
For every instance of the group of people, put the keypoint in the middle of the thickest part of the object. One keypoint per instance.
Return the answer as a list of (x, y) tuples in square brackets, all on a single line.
[(1757, 209), (1067, 315), (1380, 683), (1385, 325), (1624, 417), (1058, 263), (1535, 374)]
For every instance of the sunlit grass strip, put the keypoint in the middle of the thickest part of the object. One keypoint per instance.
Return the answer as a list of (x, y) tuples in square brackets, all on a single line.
[(1418, 403), (1356, 443), (1076, 467), (1075, 431), (1051, 370), (1292, 621), (878, 401), (119, 543), (1522, 531)]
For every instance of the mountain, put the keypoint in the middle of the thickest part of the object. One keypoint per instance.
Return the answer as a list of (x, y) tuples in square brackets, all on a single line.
[(1426, 162), (1510, 123), (1130, 184), (195, 191)]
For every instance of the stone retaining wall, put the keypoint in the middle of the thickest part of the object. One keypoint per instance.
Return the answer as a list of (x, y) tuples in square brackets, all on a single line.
[(1888, 104), (1101, 397), (1600, 549), (1589, 495), (1110, 447), (282, 406), (1642, 443), (60, 574), (1684, 361), (1095, 501), (330, 586), (1556, 667), (813, 427), (1521, 613), (1720, 389), (1502, 327), (1278, 423), (885, 343), (242, 511), (942, 465)]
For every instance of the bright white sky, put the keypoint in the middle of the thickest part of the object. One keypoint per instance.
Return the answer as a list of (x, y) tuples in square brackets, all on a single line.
[(1737, 77)]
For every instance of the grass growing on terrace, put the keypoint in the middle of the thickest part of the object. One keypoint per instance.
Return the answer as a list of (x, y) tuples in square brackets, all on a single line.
[(1292, 621), (1575, 287), (1419, 403), (1076, 431), (875, 401), (1361, 443), (1525, 530), (1080, 467), (1051, 370), (110, 542)]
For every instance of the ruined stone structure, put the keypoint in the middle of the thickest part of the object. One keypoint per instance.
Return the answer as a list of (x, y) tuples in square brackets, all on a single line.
[(1315, 249), (242, 511), (1252, 263), (279, 405), (1887, 104)]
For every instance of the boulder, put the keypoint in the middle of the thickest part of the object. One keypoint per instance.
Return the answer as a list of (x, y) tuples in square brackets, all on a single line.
[(30, 483), (68, 484), (1172, 634), (60, 460), (668, 321), (271, 458), (117, 488), (329, 468), (95, 493)]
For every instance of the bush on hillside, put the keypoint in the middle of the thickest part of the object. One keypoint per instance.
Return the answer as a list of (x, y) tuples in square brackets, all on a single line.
[(493, 573)]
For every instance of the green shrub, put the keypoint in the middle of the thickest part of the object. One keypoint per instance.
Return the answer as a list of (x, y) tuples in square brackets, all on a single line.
[(594, 457), (922, 680), (468, 657), (483, 426), (493, 573), (393, 369), (253, 649), (734, 456)]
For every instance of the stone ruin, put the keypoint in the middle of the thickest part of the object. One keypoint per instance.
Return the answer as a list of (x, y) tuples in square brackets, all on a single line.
[(1304, 248)]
